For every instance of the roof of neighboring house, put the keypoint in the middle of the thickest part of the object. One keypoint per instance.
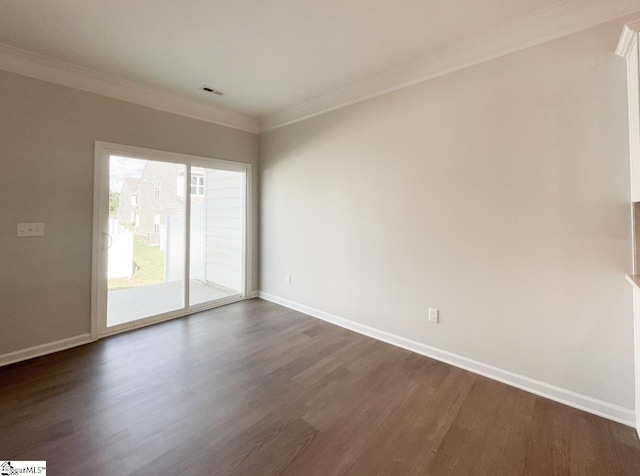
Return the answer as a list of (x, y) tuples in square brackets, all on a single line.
[(132, 184)]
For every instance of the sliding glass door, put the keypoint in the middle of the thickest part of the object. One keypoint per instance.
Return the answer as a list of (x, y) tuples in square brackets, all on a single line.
[(145, 239), (216, 234), (170, 235)]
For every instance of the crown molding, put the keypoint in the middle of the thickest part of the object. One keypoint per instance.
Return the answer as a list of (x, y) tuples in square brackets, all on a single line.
[(628, 38), (561, 19), (41, 67)]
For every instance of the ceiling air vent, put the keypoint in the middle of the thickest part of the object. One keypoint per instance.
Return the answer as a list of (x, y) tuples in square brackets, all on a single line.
[(209, 89)]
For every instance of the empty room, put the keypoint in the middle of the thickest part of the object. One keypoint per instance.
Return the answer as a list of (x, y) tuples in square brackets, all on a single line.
[(320, 237)]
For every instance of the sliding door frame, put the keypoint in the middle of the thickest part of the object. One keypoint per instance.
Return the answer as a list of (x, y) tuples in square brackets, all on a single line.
[(99, 268)]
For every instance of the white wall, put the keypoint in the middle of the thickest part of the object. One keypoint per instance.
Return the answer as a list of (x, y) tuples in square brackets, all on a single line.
[(498, 194), (47, 135)]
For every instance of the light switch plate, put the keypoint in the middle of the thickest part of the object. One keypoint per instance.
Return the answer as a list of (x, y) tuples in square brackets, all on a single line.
[(434, 315), (30, 229)]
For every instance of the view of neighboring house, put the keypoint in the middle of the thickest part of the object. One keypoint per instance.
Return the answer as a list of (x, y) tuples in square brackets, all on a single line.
[(160, 196), (128, 204), (159, 193)]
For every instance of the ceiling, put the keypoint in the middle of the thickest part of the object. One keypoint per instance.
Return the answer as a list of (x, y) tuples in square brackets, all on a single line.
[(270, 57)]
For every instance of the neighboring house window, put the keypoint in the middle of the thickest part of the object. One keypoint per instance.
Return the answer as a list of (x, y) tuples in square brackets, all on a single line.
[(134, 199), (156, 222), (197, 185), (156, 189)]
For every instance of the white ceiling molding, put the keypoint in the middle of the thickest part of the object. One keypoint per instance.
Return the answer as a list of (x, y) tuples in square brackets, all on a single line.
[(560, 19), (551, 23), (627, 38), (52, 70)]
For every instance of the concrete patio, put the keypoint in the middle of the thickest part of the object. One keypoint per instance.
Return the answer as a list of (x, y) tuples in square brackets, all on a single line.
[(126, 305)]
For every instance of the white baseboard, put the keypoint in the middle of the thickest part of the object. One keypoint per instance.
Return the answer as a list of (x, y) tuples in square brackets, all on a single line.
[(254, 294), (576, 400), (44, 349)]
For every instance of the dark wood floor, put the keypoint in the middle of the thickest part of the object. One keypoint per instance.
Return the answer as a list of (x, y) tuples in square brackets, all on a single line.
[(256, 389)]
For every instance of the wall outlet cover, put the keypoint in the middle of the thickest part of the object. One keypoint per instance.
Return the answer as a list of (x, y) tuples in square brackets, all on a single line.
[(433, 315)]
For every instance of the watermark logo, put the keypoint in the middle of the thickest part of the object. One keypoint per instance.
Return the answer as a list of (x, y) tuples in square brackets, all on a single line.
[(10, 468)]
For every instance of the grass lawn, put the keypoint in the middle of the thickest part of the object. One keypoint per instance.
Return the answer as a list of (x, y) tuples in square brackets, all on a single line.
[(149, 262)]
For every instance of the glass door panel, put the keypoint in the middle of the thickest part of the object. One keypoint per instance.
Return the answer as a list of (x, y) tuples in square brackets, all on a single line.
[(217, 232), (145, 239)]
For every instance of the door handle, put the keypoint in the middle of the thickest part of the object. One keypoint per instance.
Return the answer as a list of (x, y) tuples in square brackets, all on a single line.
[(110, 240)]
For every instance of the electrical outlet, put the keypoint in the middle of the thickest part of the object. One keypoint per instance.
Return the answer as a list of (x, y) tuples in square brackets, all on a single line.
[(287, 278), (434, 315), (30, 229)]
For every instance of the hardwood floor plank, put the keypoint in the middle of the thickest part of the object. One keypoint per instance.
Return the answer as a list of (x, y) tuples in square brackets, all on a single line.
[(476, 442), (626, 445), (413, 433), (254, 388)]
